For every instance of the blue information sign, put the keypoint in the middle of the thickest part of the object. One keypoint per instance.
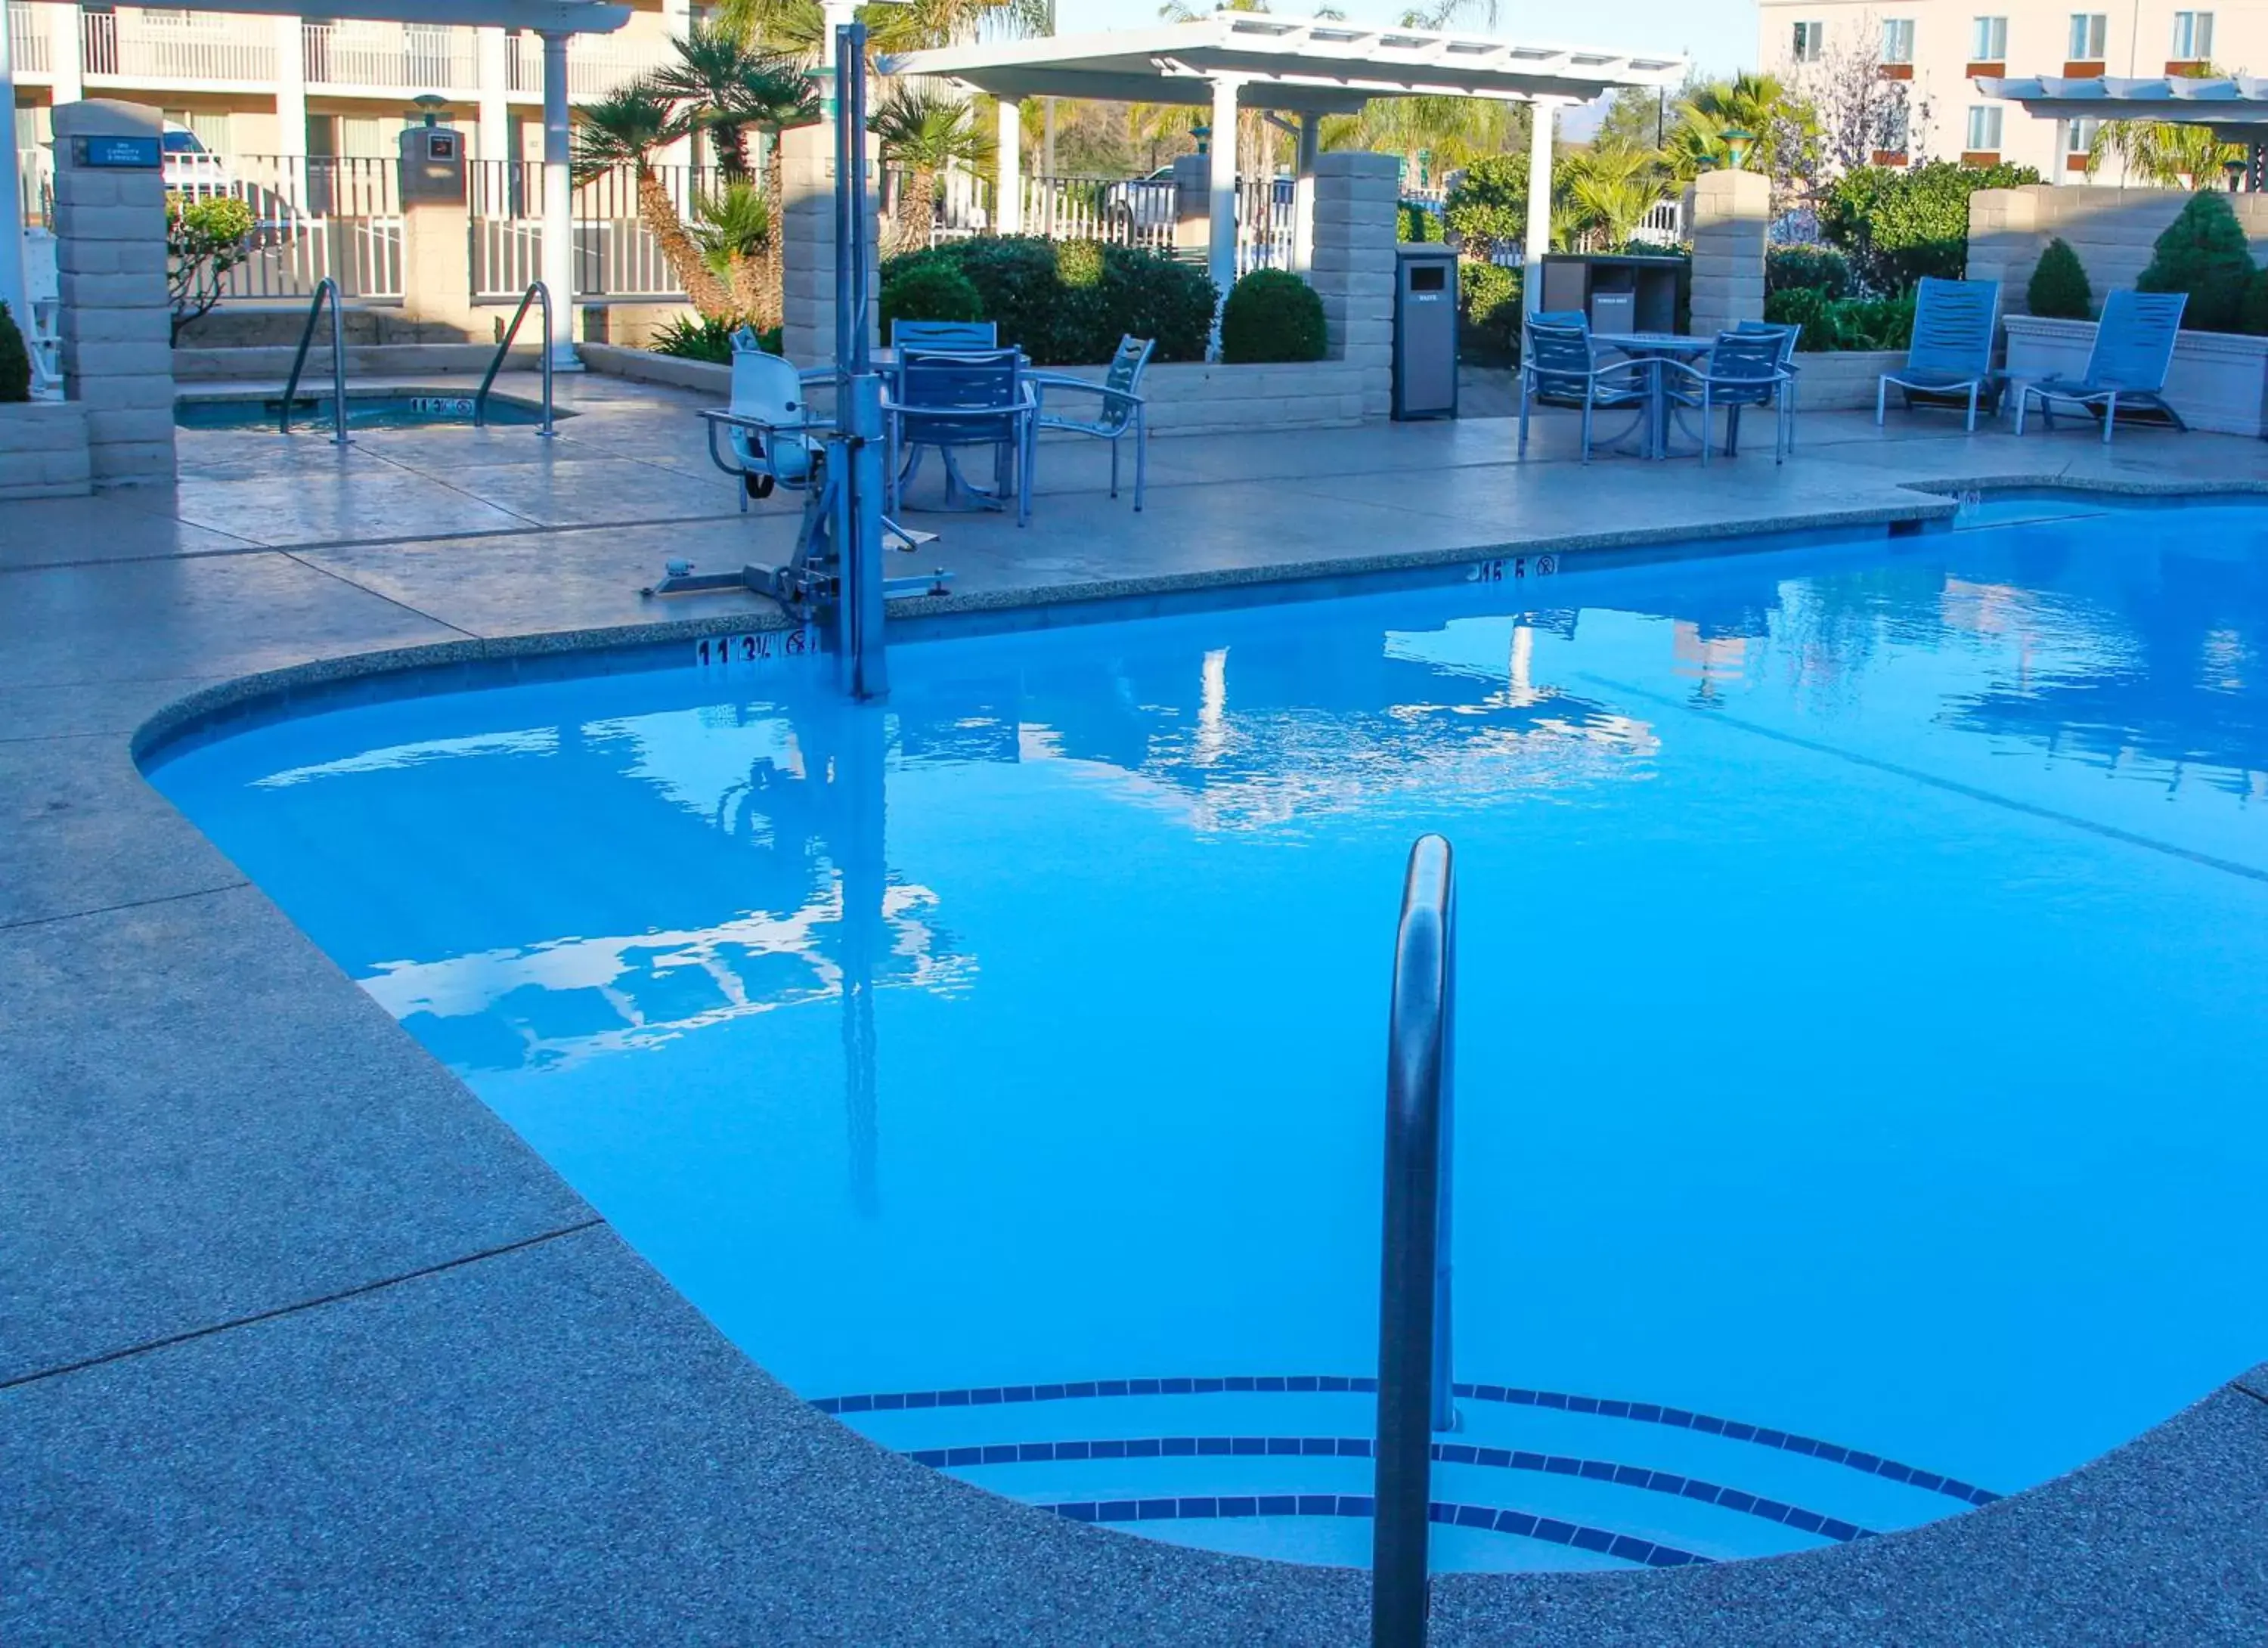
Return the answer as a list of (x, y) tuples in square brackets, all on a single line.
[(138, 154)]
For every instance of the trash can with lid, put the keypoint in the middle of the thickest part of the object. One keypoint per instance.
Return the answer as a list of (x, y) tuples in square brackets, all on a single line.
[(1424, 331)]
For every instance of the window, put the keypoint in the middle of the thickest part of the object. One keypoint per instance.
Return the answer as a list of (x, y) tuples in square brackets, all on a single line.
[(2192, 36), (1984, 128), (1988, 40), (1897, 40), (1809, 38), (2079, 136), (2088, 32)]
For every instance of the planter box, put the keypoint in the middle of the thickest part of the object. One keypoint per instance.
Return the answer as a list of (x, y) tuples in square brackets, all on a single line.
[(43, 450), (2219, 382), (1842, 382)]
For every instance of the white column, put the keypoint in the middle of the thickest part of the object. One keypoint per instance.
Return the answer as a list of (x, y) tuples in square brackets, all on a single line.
[(1303, 194), (1220, 256), (493, 51), (1536, 240), (13, 289), (558, 206), (63, 54), (290, 87), (1008, 209)]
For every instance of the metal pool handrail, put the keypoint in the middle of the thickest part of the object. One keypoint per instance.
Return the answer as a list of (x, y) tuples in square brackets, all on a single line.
[(536, 293), (1413, 1304), (325, 288)]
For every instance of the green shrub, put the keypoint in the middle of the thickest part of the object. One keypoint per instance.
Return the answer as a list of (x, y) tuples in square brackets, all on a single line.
[(1808, 267), (1489, 205), (929, 292), (2203, 252), (694, 337), (1899, 226), (2058, 288), (206, 237), (1069, 303), (1835, 324), (1416, 223), (1488, 298), (1271, 315), (15, 360), (2255, 318)]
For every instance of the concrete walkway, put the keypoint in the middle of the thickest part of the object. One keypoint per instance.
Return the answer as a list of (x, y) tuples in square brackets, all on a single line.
[(298, 1343)]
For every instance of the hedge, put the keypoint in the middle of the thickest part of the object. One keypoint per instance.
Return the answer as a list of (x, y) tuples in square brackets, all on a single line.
[(1897, 226), (1067, 303)]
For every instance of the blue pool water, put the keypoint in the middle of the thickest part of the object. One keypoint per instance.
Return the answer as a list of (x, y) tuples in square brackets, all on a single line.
[(1865, 993)]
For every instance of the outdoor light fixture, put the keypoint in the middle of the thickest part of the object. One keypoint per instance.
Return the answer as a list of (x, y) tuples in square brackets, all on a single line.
[(1737, 146), (1201, 133), (432, 107), (2235, 166)]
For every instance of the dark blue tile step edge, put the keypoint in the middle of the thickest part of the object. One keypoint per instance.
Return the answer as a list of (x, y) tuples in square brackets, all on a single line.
[(1486, 1517), (1643, 1413), (1606, 1471)]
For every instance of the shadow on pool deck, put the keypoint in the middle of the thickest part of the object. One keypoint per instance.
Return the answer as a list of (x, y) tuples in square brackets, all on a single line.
[(298, 1341)]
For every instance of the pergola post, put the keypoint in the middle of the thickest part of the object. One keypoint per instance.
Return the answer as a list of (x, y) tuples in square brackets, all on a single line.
[(290, 92), (1303, 194), (1220, 255), (1537, 240), (1008, 209), (558, 207)]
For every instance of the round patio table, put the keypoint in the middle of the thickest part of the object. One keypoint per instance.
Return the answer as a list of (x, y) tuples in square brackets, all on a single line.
[(1655, 347)]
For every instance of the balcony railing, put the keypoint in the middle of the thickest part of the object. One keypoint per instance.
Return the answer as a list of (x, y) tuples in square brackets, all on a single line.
[(166, 46), (597, 64), (411, 58), (27, 42)]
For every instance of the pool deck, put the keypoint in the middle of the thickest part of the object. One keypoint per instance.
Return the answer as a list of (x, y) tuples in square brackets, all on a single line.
[(297, 1342)]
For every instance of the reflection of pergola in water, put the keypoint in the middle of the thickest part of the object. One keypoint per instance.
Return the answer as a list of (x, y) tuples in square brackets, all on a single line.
[(1304, 67), (2235, 106)]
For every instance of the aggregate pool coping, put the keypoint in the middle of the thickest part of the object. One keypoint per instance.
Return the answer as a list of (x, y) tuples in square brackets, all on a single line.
[(535, 1436)]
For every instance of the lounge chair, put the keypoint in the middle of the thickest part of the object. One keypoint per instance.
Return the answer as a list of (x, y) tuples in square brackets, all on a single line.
[(1742, 369), (767, 391), (1952, 348), (1122, 410), (2133, 350), (1558, 368), (958, 399)]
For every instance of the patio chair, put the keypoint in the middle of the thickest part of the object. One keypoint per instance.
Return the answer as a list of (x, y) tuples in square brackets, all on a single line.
[(2133, 350), (1790, 334), (768, 390), (1122, 410), (952, 401), (1952, 346), (945, 334), (1558, 368), (1741, 370)]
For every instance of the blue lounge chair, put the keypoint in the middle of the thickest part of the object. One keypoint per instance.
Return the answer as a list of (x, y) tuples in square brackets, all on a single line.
[(2133, 350), (1558, 368), (1952, 348), (1123, 411), (1742, 369)]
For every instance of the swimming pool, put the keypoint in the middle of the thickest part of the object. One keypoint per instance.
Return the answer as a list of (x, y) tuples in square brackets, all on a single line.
[(1862, 990)]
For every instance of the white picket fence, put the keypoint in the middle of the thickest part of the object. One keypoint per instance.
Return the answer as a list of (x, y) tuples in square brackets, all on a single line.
[(1142, 212)]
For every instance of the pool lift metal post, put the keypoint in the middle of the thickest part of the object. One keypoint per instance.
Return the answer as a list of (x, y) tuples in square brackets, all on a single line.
[(1414, 1362)]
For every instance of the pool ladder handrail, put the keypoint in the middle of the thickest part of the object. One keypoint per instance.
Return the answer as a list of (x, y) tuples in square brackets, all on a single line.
[(1414, 1392), (536, 293), (326, 287)]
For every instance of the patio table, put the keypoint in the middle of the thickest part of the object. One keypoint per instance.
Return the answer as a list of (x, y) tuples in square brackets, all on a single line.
[(1655, 347)]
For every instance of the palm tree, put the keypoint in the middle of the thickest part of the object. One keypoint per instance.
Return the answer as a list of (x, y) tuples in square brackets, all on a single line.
[(795, 28), (923, 131), (722, 83), (625, 129), (2162, 153), (1611, 187), (734, 229)]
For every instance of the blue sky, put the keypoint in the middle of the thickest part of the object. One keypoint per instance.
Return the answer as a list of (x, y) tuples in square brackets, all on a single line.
[(1719, 35)]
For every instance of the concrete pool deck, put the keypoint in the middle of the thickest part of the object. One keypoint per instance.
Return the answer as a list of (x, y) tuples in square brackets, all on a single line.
[(298, 1341)]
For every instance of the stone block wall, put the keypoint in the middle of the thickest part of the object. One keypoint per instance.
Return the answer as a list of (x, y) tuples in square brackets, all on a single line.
[(807, 247), (1730, 213), (1357, 195), (43, 451), (2114, 231)]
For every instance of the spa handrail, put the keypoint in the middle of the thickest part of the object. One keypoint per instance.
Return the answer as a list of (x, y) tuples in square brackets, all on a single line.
[(325, 288), (536, 293)]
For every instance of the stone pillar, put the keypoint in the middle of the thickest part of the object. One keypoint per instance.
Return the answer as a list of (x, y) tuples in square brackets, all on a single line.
[(116, 320), (1220, 182), (1192, 202), (290, 87), (436, 265), (1356, 197), (1303, 194), (2005, 241), (1008, 206), (1536, 238), (1729, 212), (807, 250)]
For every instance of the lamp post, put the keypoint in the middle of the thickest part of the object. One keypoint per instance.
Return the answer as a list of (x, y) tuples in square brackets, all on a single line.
[(2235, 168), (1736, 147)]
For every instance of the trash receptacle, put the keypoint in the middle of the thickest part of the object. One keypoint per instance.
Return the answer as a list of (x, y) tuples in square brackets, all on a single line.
[(1424, 331)]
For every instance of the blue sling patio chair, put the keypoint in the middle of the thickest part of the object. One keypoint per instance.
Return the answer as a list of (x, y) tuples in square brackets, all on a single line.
[(1558, 368), (945, 334), (1741, 370), (956, 401), (1123, 411), (2133, 351), (1952, 348)]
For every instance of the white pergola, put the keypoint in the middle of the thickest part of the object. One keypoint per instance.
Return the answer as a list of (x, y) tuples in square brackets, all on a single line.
[(1305, 66), (2235, 106), (554, 21)]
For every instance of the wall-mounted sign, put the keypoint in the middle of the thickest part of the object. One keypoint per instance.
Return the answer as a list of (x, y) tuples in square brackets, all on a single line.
[(441, 146), (133, 154)]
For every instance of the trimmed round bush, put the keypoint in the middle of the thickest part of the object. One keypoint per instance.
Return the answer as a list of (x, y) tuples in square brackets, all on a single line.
[(2203, 252), (935, 291), (15, 360), (1068, 304), (1271, 315), (2058, 288), (2255, 318), (1488, 299), (1807, 269)]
